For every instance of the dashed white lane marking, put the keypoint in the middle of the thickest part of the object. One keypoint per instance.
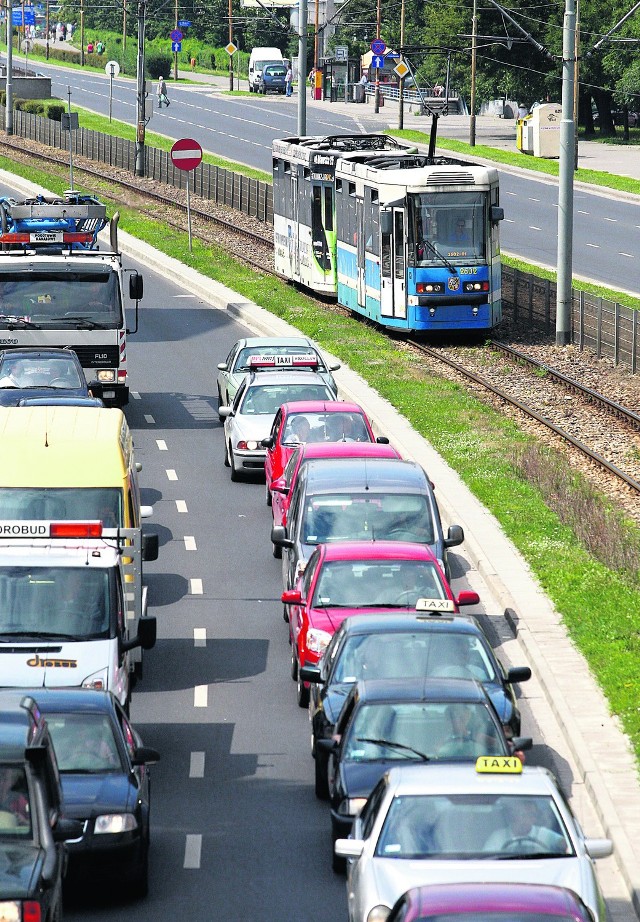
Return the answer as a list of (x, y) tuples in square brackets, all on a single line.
[(196, 765), (594, 246), (533, 227), (171, 474), (512, 193), (533, 199), (583, 212), (192, 851), (181, 505), (199, 636), (135, 395), (629, 255), (509, 221), (190, 543), (612, 220), (162, 445), (200, 696), (148, 418), (196, 586), (184, 296)]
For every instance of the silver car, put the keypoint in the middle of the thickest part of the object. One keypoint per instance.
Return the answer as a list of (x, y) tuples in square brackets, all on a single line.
[(428, 824), (232, 371)]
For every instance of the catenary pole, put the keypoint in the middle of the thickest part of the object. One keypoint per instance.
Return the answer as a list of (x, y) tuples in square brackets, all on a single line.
[(302, 67), (140, 93), (565, 187), (8, 112)]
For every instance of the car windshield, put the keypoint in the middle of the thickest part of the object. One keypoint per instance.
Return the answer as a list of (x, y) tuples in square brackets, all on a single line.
[(367, 516), (377, 583), (474, 826), (396, 655), (15, 812), (63, 298), (65, 503), (242, 361), (24, 372), (84, 743), (433, 729), (325, 427), (265, 399)]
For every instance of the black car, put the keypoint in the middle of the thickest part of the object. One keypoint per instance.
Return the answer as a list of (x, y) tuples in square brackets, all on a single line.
[(361, 499), (404, 646), (387, 721), (105, 784), (41, 372), (32, 832)]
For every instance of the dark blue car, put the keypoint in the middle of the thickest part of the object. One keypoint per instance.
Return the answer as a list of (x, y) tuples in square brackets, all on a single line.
[(44, 373), (272, 79), (105, 784)]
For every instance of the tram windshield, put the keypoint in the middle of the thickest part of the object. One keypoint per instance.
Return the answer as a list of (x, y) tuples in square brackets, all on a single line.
[(447, 226)]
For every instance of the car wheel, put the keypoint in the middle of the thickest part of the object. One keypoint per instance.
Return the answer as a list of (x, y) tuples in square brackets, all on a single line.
[(139, 886), (276, 551), (268, 494), (226, 456), (321, 780), (221, 418), (235, 476), (338, 864), (294, 659), (302, 693)]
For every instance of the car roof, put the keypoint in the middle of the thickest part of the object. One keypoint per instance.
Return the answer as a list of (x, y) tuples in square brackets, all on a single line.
[(403, 623), (328, 451), (419, 689), (18, 715), (484, 896), (377, 550), (464, 779), (30, 352), (73, 700), (270, 376), (375, 474), (274, 341), (321, 406)]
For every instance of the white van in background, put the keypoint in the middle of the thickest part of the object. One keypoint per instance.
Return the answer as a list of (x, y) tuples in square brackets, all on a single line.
[(258, 59)]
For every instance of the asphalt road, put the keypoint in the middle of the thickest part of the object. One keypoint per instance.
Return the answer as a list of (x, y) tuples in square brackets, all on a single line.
[(606, 229)]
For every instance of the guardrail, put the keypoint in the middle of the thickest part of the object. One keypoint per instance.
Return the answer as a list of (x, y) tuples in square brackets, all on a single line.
[(607, 328)]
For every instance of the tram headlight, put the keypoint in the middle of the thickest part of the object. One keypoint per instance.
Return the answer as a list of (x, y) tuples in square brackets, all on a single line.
[(476, 286), (429, 288)]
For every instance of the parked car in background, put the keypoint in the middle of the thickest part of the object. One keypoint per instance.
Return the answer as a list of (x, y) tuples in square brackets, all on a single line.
[(272, 80)]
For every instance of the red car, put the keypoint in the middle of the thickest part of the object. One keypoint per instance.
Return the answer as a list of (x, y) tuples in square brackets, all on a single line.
[(477, 902), (355, 578), (282, 487), (312, 421)]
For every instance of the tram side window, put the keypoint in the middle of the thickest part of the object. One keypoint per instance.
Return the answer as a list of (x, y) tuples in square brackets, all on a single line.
[(316, 214), (352, 223), (328, 208), (371, 221), (304, 204), (399, 244), (341, 212)]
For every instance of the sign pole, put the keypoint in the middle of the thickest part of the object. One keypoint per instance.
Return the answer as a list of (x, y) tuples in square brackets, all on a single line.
[(70, 145), (189, 208), (186, 154)]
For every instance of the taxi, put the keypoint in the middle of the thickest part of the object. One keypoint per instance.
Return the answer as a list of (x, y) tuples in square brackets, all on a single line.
[(272, 381), (312, 421), (233, 370), (443, 824), (357, 577)]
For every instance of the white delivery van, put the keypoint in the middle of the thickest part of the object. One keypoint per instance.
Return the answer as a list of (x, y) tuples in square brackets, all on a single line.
[(258, 60)]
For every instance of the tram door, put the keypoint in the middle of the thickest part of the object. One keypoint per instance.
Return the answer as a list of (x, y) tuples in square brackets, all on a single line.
[(360, 254), (393, 269), (295, 243)]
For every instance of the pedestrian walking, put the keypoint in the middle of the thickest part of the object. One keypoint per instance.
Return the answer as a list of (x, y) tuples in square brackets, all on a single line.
[(312, 81), (289, 81), (162, 93)]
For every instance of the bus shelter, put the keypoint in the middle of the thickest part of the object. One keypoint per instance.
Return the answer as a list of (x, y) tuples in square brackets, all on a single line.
[(339, 79)]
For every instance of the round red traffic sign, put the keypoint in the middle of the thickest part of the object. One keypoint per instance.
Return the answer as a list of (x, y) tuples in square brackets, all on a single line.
[(186, 154), (176, 35)]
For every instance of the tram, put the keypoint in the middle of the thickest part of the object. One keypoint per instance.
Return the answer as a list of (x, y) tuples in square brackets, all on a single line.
[(407, 240)]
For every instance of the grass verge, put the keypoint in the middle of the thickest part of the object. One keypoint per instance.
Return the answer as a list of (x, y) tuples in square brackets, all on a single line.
[(559, 523)]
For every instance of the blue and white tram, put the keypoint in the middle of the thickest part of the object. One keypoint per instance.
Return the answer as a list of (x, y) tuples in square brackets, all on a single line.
[(417, 242), (304, 206)]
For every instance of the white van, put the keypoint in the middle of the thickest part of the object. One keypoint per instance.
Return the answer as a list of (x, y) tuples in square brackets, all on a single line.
[(258, 59)]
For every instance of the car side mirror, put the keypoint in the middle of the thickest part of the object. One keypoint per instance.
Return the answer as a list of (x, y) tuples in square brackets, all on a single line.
[(382, 440), (496, 214), (455, 536), (522, 743), (518, 674), (311, 674), (150, 546), (222, 366), (327, 745), (279, 537), (145, 755), (67, 829), (136, 286), (224, 412), (466, 597), (291, 597), (146, 637), (267, 443), (279, 486)]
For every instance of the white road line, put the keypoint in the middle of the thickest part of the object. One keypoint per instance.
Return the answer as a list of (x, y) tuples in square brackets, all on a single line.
[(533, 227), (162, 445), (511, 193), (200, 696), (612, 220), (135, 395), (181, 505), (190, 543), (196, 586), (196, 765), (148, 418), (509, 221), (192, 851), (630, 255), (199, 636), (184, 296), (594, 246), (533, 199), (171, 474), (583, 212)]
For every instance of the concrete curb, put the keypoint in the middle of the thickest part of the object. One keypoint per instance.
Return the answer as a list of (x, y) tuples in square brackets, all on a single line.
[(602, 753)]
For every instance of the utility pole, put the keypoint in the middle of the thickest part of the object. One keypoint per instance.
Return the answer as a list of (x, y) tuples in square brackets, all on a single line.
[(175, 53), (302, 67), (401, 86), (46, 28), (140, 84), (565, 187), (474, 61), (124, 33), (82, 33), (576, 82), (376, 98), (8, 112), (231, 43)]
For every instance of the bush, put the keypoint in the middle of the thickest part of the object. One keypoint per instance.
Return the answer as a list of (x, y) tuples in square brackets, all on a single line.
[(158, 65), (55, 111), (34, 106)]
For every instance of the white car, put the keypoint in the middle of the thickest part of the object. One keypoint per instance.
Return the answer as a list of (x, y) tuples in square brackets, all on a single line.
[(237, 365), (495, 821), (249, 420)]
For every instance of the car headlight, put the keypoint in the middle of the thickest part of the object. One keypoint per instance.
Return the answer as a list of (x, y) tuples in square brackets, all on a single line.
[(96, 680), (106, 376), (379, 914), (114, 822), (252, 445), (351, 806), (317, 640), (9, 911)]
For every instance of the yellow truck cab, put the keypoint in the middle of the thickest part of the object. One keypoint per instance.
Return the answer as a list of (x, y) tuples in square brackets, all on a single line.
[(61, 462)]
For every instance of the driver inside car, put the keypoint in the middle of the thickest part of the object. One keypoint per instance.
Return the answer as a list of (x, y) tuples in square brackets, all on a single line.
[(524, 831)]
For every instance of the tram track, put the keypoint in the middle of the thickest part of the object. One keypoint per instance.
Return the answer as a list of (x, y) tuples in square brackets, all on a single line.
[(589, 412)]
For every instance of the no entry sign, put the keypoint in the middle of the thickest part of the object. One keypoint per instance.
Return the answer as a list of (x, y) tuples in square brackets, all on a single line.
[(186, 154)]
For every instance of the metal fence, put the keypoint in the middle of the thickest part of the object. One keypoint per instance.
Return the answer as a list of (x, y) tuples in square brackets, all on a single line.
[(605, 327)]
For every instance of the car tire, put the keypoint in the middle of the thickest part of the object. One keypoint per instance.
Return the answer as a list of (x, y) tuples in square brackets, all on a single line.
[(268, 494), (139, 886), (338, 864), (302, 693), (276, 551), (221, 418), (226, 455), (321, 780), (294, 660), (235, 476)]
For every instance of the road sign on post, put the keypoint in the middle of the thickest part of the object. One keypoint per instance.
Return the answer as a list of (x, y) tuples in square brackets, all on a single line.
[(377, 61), (378, 46), (186, 154), (176, 35), (184, 23), (176, 47)]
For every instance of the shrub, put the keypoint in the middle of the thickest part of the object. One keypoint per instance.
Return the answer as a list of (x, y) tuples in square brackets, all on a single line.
[(158, 65), (55, 111), (34, 106)]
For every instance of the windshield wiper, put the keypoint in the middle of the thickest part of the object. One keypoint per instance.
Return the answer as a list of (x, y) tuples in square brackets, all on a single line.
[(392, 745), (84, 321), (11, 321), (48, 635), (439, 256), (529, 856)]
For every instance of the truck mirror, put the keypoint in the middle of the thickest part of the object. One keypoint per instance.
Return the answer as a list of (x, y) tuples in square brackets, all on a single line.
[(147, 629), (150, 546), (136, 286)]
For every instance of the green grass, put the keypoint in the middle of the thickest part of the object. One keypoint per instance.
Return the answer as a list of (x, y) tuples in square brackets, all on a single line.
[(505, 468)]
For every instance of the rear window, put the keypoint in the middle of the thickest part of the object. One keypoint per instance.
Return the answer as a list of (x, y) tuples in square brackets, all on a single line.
[(15, 808), (359, 516), (275, 71), (64, 503)]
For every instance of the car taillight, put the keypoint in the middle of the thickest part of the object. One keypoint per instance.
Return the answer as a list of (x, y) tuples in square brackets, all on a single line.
[(31, 911)]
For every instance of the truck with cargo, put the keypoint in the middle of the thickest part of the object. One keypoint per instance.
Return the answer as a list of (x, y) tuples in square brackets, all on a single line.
[(60, 286)]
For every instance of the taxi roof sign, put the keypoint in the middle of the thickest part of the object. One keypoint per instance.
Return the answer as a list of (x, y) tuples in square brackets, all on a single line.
[(436, 606), (306, 360), (498, 765)]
